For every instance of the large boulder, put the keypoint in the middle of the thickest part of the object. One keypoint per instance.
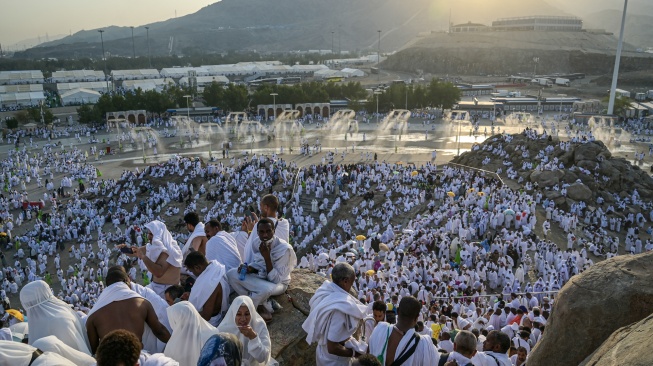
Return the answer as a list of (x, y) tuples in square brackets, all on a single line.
[(547, 178), (579, 192), (289, 345), (591, 151), (591, 306), (626, 346)]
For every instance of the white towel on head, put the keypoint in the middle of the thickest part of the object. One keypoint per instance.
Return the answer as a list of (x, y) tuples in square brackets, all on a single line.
[(51, 316), (328, 298), (119, 291), (162, 242)]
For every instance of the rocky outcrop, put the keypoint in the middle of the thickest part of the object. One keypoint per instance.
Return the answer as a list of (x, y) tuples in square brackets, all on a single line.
[(579, 192), (289, 345), (623, 177), (629, 345), (591, 306)]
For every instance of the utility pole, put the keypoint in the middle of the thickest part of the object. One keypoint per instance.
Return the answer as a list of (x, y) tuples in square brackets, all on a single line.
[(149, 55), (378, 58), (617, 61), (104, 58), (339, 49), (133, 46), (332, 34)]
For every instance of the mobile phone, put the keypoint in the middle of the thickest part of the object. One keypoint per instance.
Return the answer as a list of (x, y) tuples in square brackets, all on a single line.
[(248, 213), (126, 250)]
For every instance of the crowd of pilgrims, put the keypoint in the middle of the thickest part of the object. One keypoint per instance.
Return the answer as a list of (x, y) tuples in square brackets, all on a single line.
[(469, 252)]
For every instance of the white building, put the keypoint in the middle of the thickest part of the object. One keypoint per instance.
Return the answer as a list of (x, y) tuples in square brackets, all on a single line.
[(80, 96), (72, 76)]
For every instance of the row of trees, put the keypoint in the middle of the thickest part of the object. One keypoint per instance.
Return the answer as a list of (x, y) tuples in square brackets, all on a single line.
[(436, 94), (234, 97)]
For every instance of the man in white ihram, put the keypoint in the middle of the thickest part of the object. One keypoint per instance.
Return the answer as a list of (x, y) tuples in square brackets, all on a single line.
[(334, 318), (269, 206), (268, 272)]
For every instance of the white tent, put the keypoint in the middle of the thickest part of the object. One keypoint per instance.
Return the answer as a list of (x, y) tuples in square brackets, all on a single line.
[(149, 84), (72, 76), (100, 86), (328, 73), (353, 72), (80, 96), (21, 99)]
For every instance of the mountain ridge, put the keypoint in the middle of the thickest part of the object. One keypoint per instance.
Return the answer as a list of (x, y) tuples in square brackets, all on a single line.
[(288, 25)]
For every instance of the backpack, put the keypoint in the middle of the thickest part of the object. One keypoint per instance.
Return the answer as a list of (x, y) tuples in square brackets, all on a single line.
[(445, 356)]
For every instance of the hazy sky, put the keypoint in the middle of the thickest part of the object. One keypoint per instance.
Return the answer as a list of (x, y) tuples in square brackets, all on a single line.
[(25, 19)]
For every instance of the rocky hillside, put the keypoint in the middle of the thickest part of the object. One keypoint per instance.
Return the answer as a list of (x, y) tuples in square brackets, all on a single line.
[(594, 156), (590, 310), (487, 52)]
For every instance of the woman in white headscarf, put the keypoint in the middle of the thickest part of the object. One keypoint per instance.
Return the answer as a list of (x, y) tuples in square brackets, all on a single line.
[(189, 333), (50, 316), (243, 321)]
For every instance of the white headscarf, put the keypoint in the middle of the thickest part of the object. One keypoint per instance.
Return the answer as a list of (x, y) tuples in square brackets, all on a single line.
[(52, 344), (189, 333), (51, 316), (256, 351), (20, 354), (162, 241)]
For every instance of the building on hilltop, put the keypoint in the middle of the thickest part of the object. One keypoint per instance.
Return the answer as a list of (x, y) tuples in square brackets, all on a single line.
[(539, 23), (469, 27)]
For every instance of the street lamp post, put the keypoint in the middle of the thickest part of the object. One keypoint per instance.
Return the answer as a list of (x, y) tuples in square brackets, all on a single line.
[(274, 104), (104, 58), (377, 106), (149, 56), (460, 124), (535, 60), (133, 45), (406, 97), (378, 58), (332, 35)]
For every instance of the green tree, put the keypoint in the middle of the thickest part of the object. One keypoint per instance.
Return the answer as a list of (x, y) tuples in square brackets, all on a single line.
[(11, 123), (155, 102), (88, 114), (213, 94), (443, 95), (621, 105), (22, 117), (48, 116), (235, 98)]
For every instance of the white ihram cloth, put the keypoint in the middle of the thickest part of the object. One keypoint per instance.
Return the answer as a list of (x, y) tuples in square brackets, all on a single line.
[(160, 307), (157, 359), (199, 231), (20, 354), (424, 354), (282, 231), (223, 248), (119, 291), (255, 351), (331, 302), (260, 286), (52, 344), (189, 333), (5, 334), (51, 316), (205, 284), (162, 242)]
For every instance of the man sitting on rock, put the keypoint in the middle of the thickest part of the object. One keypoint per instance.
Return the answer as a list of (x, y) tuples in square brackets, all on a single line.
[(268, 274), (210, 293)]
